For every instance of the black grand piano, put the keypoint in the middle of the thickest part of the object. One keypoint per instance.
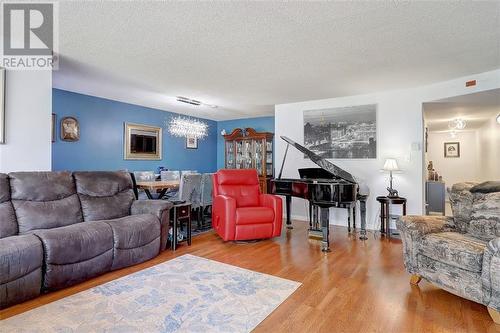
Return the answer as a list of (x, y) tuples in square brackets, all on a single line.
[(324, 187)]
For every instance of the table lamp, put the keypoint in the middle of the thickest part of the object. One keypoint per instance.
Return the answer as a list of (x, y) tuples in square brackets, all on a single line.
[(391, 165)]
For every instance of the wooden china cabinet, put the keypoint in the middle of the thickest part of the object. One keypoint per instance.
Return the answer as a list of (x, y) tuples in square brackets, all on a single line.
[(248, 149)]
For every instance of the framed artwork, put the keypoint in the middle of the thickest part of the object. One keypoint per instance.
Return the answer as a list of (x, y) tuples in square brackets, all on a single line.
[(2, 105), (344, 132), (142, 142), (191, 142), (53, 129), (452, 149), (70, 129)]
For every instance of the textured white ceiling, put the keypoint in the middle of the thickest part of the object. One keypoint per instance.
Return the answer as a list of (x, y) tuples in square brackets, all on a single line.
[(248, 56), (476, 109)]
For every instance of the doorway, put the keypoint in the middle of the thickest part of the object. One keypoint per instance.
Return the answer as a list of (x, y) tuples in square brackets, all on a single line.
[(462, 143)]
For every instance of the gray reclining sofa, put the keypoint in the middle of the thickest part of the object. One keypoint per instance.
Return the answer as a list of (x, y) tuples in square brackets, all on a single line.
[(60, 228)]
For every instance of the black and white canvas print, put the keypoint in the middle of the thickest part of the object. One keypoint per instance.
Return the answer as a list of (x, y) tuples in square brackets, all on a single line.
[(346, 132)]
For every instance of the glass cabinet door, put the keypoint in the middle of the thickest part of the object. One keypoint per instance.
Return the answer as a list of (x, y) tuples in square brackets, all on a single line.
[(259, 156), (239, 155), (269, 158), (230, 156), (247, 154)]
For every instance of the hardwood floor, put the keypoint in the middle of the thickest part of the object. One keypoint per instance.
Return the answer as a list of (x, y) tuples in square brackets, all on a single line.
[(358, 287)]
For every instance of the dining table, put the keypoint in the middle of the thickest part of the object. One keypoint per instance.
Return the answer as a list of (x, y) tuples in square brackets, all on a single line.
[(157, 185)]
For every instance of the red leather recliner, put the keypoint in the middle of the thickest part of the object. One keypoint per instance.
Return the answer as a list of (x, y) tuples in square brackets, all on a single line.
[(240, 211)]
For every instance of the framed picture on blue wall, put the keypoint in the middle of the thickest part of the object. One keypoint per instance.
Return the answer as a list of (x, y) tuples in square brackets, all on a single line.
[(191, 142), (142, 142), (70, 129)]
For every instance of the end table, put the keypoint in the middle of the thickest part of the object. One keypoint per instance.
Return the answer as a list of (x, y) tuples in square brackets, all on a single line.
[(180, 213), (385, 217)]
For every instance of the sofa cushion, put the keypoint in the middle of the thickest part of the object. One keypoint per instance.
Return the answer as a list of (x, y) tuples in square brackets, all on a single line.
[(136, 239), (254, 215), (245, 195), (20, 269), (75, 253), (104, 194), (461, 204), (19, 255), (134, 231), (485, 217), (455, 249), (8, 222), (44, 200)]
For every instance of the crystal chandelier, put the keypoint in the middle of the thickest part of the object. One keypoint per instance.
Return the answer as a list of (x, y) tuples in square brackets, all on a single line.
[(187, 127)]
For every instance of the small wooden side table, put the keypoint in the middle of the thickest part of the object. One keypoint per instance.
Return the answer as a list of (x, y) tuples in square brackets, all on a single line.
[(385, 216), (180, 213)]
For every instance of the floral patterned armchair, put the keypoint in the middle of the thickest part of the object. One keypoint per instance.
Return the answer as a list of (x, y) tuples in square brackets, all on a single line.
[(460, 254)]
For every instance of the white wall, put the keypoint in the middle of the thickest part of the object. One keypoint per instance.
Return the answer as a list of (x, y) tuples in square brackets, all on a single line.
[(28, 108), (399, 124), (489, 147), (455, 170)]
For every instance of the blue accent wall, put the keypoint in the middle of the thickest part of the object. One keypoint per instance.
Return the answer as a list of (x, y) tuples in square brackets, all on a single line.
[(101, 137), (260, 124)]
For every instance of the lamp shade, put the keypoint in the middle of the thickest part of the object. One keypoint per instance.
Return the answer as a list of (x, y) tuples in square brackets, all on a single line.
[(391, 165)]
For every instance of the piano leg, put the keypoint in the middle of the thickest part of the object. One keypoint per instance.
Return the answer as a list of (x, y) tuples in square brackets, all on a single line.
[(316, 225), (325, 228), (310, 215), (288, 206), (354, 216), (362, 209), (349, 217)]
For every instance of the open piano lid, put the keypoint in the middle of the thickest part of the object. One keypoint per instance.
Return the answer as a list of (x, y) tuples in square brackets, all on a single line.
[(321, 162)]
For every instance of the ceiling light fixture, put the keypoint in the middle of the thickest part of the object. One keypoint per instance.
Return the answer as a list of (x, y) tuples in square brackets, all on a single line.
[(186, 127), (457, 124), (194, 102), (498, 118)]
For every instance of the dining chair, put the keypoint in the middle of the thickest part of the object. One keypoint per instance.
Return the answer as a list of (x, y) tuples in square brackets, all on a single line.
[(186, 172), (144, 176), (190, 191), (171, 175), (206, 195)]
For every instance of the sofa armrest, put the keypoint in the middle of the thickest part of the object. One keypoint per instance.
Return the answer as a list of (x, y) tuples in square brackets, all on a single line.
[(155, 207), (224, 216), (490, 275), (422, 225), (413, 228), (158, 208), (276, 204)]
